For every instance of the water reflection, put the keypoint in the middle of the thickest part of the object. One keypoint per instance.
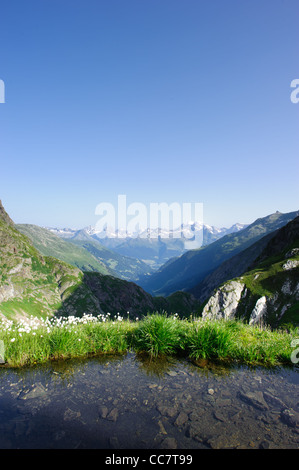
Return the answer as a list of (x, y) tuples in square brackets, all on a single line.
[(153, 366), (134, 401)]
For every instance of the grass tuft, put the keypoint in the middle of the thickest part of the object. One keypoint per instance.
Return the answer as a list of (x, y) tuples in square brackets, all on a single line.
[(158, 334), (36, 341)]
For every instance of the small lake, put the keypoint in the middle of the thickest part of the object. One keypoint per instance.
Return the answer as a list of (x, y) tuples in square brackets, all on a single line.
[(132, 402)]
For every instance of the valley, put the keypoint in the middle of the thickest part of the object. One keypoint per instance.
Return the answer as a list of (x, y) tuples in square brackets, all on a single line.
[(239, 272)]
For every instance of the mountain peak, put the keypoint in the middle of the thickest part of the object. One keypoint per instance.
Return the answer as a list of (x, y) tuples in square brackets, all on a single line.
[(4, 215)]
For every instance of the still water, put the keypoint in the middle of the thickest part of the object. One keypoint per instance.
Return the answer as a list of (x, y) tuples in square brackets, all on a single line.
[(131, 402)]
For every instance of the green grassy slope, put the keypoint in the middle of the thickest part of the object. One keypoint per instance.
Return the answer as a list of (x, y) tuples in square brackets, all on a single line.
[(29, 282), (51, 245), (192, 267), (124, 267)]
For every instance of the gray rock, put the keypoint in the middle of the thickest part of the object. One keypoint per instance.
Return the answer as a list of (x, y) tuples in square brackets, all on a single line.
[(291, 253), (254, 399), (36, 391), (70, 415), (169, 443), (264, 445), (286, 287), (196, 414), (290, 417), (194, 431), (172, 373), (274, 401), (225, 301), (181, 419), (104, 412), (222, 442), (290, 264), (267, 445), (169, 411), (113, 415), (259, 311), (220, 416), (161, 426)]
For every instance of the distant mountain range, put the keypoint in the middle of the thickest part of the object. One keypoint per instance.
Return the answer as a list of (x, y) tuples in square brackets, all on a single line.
[(152, 246), (210, 232)]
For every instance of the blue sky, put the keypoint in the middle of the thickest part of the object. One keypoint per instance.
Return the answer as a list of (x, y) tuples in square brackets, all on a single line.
[(160, 100)]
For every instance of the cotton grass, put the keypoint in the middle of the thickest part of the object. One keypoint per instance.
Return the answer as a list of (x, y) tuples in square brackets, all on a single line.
[(35, 340)]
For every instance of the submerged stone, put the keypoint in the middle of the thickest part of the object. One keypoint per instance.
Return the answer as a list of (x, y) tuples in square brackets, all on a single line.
[(36, 391), (169, 443), (255, 399), (290, 417), (181, 419), (113, 415)]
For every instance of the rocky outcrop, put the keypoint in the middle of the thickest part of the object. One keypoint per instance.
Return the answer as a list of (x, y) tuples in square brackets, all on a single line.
[(7, 292), (235, 300), (290, 264), (259, 311), (224, 303), (291, 253)]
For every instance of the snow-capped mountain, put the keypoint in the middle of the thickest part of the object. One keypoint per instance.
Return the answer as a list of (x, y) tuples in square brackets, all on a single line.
[(186, 231), (62, 232), (152, 246)]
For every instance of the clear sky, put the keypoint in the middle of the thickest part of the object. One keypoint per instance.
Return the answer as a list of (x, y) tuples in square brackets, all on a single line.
[(160, 100)]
